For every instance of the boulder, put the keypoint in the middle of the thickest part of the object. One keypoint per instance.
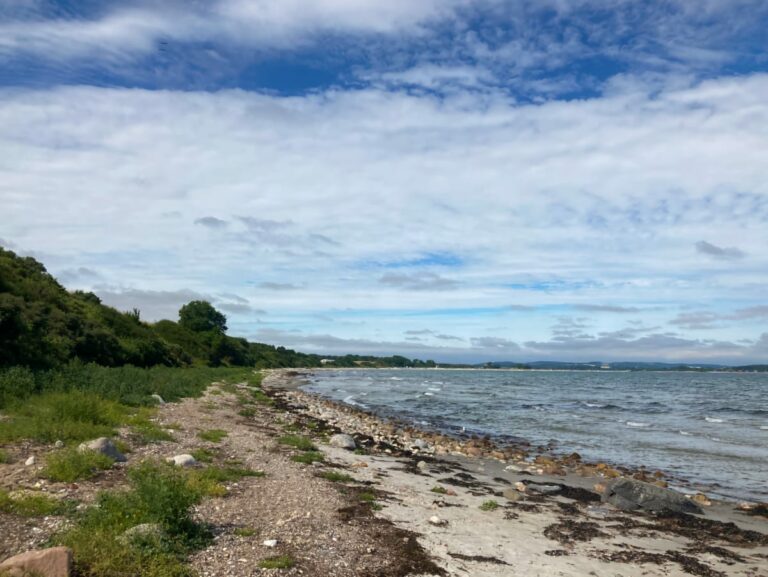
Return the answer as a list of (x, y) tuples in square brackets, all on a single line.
[(630, 494), (53, 562), (104, 446), (343, 441), (182, 460), (512, 495)]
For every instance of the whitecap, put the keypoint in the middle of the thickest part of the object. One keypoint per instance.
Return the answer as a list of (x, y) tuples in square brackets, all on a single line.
[(595, 405), (429, 394), (636, 425), (686, 433), (395, 379), (350, 400), (713, 420), (764, 427), (435, 389)]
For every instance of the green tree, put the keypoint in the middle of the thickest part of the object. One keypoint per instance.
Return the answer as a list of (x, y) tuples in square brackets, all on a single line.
[(200, 316)]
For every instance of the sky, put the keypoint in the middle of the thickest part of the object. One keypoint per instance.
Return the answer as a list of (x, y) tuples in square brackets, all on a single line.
[(458, 180)]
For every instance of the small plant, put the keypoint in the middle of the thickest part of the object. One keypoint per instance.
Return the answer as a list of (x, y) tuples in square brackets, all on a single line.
[(489, 505), (31, 505), (336, 477), (203, 455), (245, 532), (212, 435), (366, 497), (280, 562), (298, 442), (68, 465), (439, 490), (309, 457), (247, 412)]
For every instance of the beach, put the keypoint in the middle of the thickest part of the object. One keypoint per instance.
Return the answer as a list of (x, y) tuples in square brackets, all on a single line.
[(399, 501)]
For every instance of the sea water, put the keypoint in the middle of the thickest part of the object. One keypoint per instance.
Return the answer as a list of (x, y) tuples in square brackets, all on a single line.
[(709, 429)]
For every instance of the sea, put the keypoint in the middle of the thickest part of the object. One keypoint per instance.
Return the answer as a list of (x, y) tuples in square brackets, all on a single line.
[(706, 430)]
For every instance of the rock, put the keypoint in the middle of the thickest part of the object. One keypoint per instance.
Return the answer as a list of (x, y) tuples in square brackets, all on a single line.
[(53, 562), (422, 466), (419, 445), (543, 489), (520, 486), (512, 495), (343, 441), (143, 533), (629, 494), (158, 399), (701, 499), (182, 460), (59, 444), (437, 521), (599, 488), (359, 465), (450, 492), (29, 462), (270, 543), (104, 446)]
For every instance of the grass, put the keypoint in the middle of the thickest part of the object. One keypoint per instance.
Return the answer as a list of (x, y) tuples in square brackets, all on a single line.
[(158, 494), (489, 505), (439, 490), (308, 457), (261, 397), (366, 497), (245, 532), (69, 464), (65, 416), (297, 442), (247, 412), (212, 435), (279, 562), (145, 429), (32, 505), (204, 455), (336, 477), (4, 457), (210, 481)]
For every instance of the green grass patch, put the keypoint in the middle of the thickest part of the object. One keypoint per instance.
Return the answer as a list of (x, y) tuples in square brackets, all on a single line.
[(297, 442), (204, 455), (68, 465), (147, 430), (439, 490), (336, 477), (366, 497), (210, 481), (489, 505), (66, 416), (212, 435), (247, 412), (158, 494), (245, 532), (4, 457), (32, 504), (279, 562), (261, 397), (309, 457)]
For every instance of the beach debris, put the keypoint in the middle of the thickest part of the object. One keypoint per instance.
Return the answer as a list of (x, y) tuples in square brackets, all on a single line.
[(104, 446), (343, 441), (30, 461), (701, 499), (182, 460), (437, 521), (271, 543), (630, 494), (52, 562)]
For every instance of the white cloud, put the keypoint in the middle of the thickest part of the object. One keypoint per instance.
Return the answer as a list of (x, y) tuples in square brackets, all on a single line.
[(592, 201)]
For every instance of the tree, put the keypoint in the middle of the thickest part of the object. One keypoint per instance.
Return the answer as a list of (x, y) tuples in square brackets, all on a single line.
[(200, 316)]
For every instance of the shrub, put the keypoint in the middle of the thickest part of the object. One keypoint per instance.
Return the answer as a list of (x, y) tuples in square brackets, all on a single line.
[(298, 442), (70, 464), (212, 435)]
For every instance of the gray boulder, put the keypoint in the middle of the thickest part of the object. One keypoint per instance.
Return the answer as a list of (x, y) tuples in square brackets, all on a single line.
[(104, 446), (343, 442), (629, 494)]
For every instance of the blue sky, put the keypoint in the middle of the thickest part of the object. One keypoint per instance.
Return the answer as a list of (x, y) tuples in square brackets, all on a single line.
[(462, 180)]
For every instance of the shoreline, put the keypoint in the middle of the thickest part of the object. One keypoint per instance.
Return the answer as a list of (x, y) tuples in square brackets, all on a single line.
[(547, 517), (517, 452)]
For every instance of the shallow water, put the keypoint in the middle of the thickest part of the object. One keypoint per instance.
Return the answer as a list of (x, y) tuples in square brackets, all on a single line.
[(708, 428)]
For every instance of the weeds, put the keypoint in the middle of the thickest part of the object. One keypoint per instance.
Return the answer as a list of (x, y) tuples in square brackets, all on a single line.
[(147, 430), (245, 532), (204, 455), (32, 505), (439, 490), (489, 505), (212, 435), (297, 442), (336, 477), (279, 562), (247, 412), (70, 464), (308, 457), (4, 457)]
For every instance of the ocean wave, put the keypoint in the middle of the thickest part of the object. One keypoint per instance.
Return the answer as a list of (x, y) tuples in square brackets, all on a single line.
[(713, 420), (764, 427), (428, 394), (350, 400), (435, 389), (637, 425), (686, 433), (396, 379)]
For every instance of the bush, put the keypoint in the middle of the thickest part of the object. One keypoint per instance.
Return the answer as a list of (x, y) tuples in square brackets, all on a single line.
[(68, 465)]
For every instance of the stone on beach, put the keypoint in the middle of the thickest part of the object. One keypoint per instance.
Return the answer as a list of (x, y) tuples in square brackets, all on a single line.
[(422, 466), (53, 562), (104, 446), (629, 494), (437, 521), (512, 495), (30, 461), (343, 441), (182, 460)]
